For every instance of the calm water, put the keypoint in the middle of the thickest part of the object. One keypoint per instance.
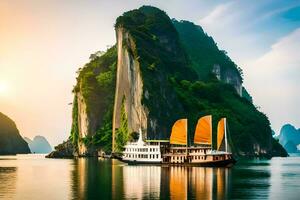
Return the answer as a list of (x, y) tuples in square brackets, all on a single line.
[(34, 177)]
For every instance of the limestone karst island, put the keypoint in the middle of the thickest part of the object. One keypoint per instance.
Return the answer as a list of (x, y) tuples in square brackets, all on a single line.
[(162, 112), (159, 71)]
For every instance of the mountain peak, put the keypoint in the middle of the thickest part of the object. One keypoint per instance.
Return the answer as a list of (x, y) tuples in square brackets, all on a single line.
[(39, 144)]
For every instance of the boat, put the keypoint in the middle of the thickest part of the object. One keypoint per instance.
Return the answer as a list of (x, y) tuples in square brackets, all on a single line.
[(141, 152), (177, 151)]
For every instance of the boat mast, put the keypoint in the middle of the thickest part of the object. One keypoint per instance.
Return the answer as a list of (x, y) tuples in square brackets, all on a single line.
[(140, 129), (225, 127), (187, 141)]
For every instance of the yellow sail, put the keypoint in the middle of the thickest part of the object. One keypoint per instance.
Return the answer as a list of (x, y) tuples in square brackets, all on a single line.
[(179, 132), (203, 130), (221, 132)]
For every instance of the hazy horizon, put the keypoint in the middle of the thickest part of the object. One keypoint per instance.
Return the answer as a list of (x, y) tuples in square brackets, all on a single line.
[(43, 43)]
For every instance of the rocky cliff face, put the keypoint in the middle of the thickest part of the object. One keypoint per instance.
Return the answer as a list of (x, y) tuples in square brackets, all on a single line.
[(10, 140), (228, 76), (129, 86), (84, 123)]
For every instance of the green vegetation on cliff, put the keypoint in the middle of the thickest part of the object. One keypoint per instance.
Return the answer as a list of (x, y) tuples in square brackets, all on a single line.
[(74, 129), (122, 134), (203, 51), (95, 87)]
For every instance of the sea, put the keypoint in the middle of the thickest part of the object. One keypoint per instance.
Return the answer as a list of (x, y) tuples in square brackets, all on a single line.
[(35, 177)]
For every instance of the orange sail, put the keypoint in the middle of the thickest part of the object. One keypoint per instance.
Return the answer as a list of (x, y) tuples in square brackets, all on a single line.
[(179, 132), (221, 132), (203, 130)]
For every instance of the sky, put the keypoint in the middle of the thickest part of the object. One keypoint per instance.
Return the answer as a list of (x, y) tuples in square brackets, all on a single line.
[(43, 43)]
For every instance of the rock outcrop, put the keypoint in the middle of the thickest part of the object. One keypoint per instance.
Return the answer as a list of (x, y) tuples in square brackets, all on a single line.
[(39, 144), (11, 141), (64, 150), (289, 138)]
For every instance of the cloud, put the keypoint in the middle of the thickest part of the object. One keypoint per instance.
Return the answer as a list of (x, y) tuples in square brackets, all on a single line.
[(246, 30), (218, 13), (284, 52), (274, 79)]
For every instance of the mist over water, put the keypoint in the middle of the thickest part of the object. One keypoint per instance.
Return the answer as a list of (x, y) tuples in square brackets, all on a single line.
[(34, 177)]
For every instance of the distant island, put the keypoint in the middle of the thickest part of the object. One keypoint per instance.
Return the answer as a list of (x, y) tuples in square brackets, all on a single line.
[(39, 144), (161, 70), (11, 142), (289, 138)]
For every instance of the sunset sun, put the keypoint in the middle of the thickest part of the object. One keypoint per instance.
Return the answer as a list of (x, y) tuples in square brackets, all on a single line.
[(3, 88)]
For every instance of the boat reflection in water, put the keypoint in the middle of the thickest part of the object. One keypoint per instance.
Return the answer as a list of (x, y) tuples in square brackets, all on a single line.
[(140, 181), (198, 183), (175, 182), (111, 179)]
